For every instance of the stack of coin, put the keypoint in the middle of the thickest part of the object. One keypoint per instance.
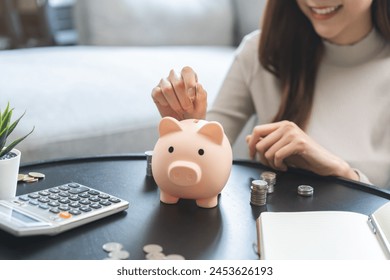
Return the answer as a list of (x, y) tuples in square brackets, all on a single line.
[(259, 190), (270, 178), (305, 190), (149, 155), (155, 252), (115, 251), (31, 177)]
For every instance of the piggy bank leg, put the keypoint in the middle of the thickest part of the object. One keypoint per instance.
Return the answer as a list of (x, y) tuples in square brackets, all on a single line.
[(208, 202), (167, 198)]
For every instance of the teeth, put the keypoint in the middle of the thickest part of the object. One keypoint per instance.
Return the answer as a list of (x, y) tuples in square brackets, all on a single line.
[(324, 11)]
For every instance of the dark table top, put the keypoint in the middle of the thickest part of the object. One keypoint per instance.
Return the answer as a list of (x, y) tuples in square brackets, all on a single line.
[(227, 231)]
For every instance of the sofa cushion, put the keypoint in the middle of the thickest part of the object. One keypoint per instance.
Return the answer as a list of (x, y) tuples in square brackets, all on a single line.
[(154, 22), (96, 100)]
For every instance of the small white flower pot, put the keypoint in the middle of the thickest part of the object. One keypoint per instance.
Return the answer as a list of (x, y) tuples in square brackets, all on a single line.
[(9, 169)]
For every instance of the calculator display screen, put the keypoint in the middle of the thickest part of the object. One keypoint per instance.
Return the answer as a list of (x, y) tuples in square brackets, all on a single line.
[(14, 214)]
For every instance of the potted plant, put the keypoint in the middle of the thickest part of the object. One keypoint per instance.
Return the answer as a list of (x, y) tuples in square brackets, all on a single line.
[(9, 155)]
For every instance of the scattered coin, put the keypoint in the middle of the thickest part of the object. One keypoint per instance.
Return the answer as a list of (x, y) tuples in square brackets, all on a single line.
[(112, 246), (120, 255), (21, 177), (152, 248), (36, 175), (174, 257), (155, 252), (155, 256), (29, 179)]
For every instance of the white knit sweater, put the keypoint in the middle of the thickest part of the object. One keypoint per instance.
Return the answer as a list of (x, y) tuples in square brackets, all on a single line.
[(351, 109)]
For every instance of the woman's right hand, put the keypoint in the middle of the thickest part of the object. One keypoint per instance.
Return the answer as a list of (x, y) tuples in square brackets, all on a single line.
[(181, 96)]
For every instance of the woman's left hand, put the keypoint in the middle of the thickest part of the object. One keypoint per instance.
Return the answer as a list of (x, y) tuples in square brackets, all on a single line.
[(284, 144)]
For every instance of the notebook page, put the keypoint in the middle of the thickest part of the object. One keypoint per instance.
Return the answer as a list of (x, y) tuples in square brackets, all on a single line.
[(381, 218), (323, 235)]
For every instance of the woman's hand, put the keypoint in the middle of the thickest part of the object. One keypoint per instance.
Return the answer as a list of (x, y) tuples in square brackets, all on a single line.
[(181, 96), (284, 144)]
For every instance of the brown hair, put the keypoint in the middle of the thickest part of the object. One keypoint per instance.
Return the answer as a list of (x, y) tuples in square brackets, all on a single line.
[(292, 51)]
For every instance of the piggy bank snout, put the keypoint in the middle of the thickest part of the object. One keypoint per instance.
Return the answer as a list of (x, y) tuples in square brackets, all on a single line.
[(184, 173)]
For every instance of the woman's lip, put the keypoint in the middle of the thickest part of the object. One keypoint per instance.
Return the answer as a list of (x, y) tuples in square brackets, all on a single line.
[(323, 13)]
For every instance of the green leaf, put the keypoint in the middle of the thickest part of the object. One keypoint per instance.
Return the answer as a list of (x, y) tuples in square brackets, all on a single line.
[(6, 119), (15, 123), (13, 144)]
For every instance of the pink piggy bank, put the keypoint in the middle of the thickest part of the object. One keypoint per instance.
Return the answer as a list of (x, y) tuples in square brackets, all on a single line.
[(192, 159)]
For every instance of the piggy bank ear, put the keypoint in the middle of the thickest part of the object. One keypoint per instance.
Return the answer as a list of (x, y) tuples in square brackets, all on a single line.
[(168, 125), (214, 131)]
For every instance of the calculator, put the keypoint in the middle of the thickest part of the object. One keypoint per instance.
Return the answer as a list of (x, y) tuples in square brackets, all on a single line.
[(57, 209)]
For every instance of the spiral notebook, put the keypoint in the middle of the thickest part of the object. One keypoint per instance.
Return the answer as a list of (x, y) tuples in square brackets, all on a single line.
[(324, 235)]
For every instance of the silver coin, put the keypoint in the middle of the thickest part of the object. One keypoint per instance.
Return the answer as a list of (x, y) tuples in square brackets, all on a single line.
[(21, 177), (155, 256), (36, 175), (259, 185), (305, 190), (174, 257), (112, 246), (152, 248), (29, 179), (120, 255)]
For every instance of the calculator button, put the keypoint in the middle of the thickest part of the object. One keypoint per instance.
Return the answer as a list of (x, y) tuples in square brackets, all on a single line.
[(73, 185), (33, 195), (44, 193), (43, 206), (63, 188), (64, 207), (94, 199), (64, 200), (63, 194), (114, 200), (105, 203), (74, 204), (75, 212), (54, 210), (93, 192), (95, 205), (53, 203), (65, 215), (85, 202), (54, 190), (104, 196), (74, 197), (54, 196), (84, 195), (33, 202), (85, 208), (24, 198), (78, 190), (44, 200)]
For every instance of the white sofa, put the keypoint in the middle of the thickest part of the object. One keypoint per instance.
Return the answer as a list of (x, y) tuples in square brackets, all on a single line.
[(94, 98)]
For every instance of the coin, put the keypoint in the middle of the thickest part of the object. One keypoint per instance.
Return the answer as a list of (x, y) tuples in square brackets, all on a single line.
[(152, 248), (29, 179), (121, 255), (305, 190), (155, 256), (112, 246), (36, 175), (174, 257), (21, 177)]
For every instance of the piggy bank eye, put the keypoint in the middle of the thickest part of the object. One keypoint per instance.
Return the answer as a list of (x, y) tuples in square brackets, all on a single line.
[(171, 149), (201, 152)]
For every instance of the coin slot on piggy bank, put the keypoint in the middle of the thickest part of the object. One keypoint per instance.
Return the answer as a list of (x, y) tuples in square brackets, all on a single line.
[(192, 159)]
